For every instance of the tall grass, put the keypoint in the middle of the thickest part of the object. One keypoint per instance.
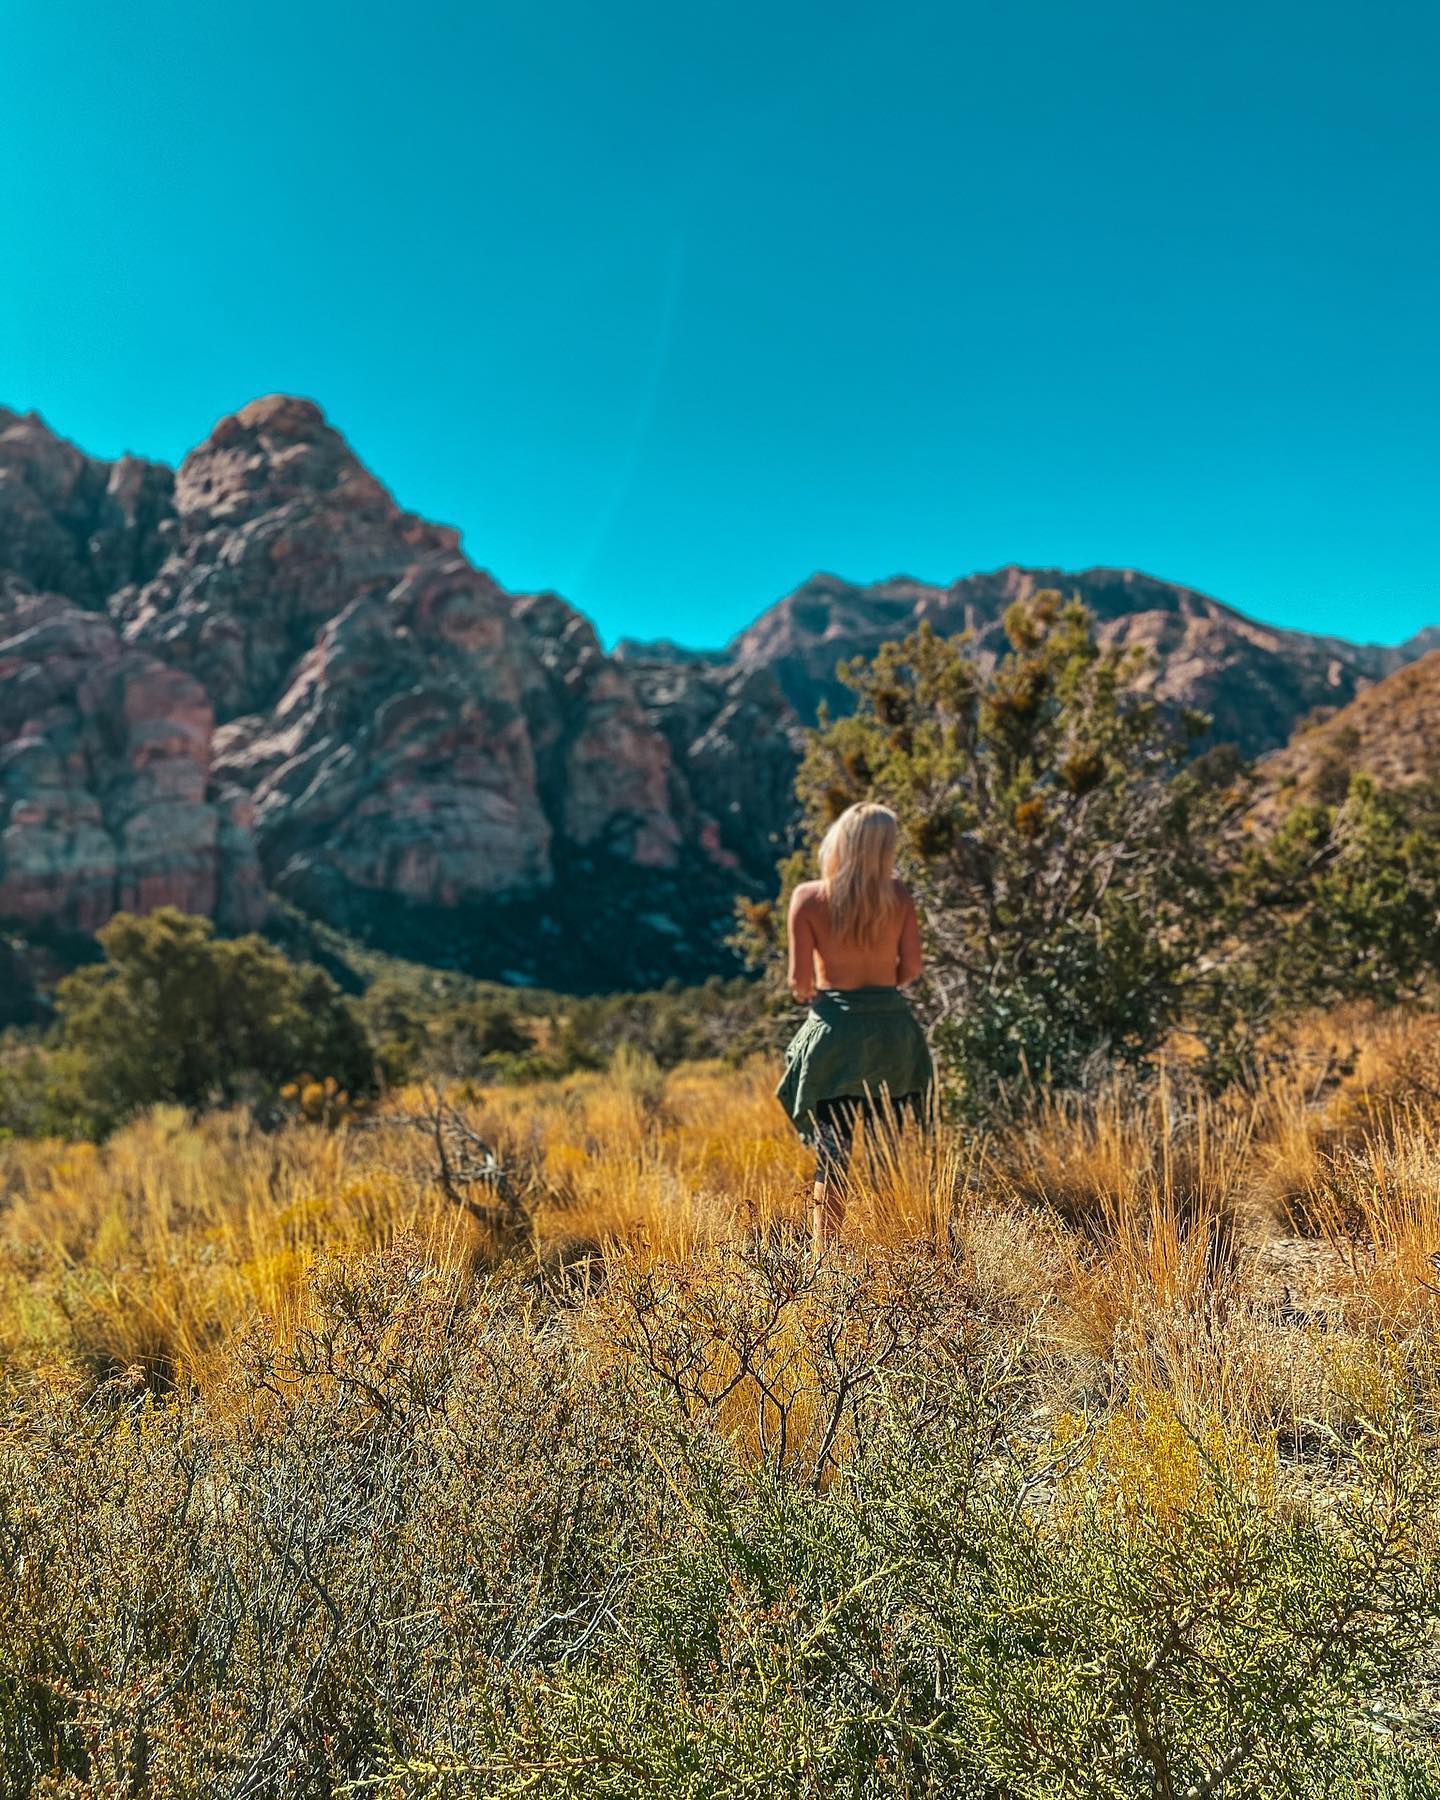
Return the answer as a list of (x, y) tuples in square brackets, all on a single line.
[(1149, 1232), (510, 1441)]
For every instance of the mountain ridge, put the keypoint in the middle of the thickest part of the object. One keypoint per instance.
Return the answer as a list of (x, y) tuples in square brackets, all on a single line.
[(259, 671), (1257, 681), (1390, 731)]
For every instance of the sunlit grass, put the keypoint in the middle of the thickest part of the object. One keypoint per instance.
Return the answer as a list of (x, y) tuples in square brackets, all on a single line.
[(517, 1320), (1149, 1238)]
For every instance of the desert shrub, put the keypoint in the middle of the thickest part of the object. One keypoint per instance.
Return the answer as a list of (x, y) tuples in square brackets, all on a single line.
[(672, 1025), (319, 1102), (527, 1034), (274, 1592), (1341, 902), (29, 1105), (472, 1033), (1124, 1611), (174, 1013), (442, 1539)]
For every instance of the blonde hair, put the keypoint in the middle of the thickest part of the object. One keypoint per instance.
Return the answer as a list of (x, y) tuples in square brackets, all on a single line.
[(857, 870)]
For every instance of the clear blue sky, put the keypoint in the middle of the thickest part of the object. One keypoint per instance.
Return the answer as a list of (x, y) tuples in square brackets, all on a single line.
[(667, 304)]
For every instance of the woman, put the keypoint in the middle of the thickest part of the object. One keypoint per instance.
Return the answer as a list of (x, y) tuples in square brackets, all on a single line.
[(854, 943)]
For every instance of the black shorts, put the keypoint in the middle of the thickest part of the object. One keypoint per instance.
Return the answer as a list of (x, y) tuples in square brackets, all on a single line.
[(835, 1122)]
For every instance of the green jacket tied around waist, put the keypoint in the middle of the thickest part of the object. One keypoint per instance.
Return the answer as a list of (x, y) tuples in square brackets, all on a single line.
[(853, 1042)]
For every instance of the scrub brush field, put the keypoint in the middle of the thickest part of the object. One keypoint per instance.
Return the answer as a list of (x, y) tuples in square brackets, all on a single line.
[(508, 1441)]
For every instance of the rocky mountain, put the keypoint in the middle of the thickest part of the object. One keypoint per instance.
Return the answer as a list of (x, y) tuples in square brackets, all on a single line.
[(258, 675), (1257, 682), (105, 783), (261, 671), (1390, 731)]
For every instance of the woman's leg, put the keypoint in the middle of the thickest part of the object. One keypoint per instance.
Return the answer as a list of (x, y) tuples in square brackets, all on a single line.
[(835, 1127), (834, 1136), (827, 1216)]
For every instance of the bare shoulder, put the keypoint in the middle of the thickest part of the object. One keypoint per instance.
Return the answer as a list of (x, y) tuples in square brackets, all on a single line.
[(903, 894), (806, 897)]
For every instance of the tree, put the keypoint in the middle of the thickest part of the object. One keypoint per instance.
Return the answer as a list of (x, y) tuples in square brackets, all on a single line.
[(1086, 883), (174, 1013), (1062, 851), (1341, 901)]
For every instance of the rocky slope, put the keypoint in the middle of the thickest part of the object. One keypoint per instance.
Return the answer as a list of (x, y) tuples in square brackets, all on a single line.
[(1256, 681), (106, 793), (734, 743), (1390, 731), (262, 671), (70, 524), (258, 673)]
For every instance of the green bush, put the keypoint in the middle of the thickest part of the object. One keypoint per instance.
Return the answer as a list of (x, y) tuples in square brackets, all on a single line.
[(672, 1025), (454, 1029), (524, 1035), (176, 1014), (29, 1104), (1341, 901), (427, 1549)]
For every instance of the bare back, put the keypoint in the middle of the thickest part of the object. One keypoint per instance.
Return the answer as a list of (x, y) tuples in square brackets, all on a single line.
[(821, 958)]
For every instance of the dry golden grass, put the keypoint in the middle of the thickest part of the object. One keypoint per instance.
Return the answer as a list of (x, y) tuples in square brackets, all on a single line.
[(1256, 1255), (441, 1396)]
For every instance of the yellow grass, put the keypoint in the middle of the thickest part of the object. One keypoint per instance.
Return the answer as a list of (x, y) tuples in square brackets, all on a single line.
[(1258, 1255)]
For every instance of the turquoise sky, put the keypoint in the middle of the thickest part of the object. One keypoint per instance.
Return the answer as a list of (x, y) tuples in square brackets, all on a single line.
[(667, 305)]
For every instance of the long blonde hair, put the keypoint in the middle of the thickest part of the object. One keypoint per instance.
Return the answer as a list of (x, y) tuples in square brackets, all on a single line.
[(857, 870)]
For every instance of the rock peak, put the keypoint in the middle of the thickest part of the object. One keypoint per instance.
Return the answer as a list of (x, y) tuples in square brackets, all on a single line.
[(283, 410), (276, 449), (275, 420), (286, 416)]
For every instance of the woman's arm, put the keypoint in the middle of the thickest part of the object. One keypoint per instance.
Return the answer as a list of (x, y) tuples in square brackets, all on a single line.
[(801, 933), (909, 959)]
